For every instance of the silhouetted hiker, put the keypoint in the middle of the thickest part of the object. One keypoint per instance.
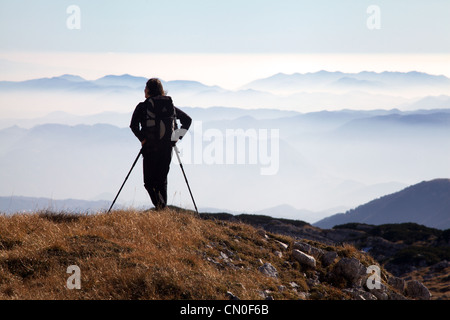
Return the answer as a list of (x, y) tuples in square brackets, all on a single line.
[(153, 122)]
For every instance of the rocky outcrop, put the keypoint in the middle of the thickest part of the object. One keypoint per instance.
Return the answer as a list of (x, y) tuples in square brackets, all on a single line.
[(309, 249), (350, 269), (329, 257), (359, 281), (304, 259), (400, 248), (397, 283), (417, 290), (269, 270), (353, 273)]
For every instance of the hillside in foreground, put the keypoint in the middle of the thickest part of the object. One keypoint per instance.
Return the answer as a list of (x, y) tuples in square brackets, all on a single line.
[(176, 255)]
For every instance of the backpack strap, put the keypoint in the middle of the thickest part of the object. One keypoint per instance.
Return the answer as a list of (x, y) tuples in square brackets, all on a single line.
[(150, 116), (156, 116)]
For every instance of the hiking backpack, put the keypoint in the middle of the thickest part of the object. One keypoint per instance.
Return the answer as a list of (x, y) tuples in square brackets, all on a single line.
[(160, 119)]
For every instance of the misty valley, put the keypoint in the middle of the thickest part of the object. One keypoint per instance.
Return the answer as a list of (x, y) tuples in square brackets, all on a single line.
[(302, 162)]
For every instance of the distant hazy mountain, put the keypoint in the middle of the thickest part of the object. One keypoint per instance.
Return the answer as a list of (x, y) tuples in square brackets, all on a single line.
[(350, 82), (430, 102), (71, 77), (289, 212), (308, 92), (395, 125), (280, 82), (426, 203), (294, 82), (125, 80), (363, 80), (109, 82)]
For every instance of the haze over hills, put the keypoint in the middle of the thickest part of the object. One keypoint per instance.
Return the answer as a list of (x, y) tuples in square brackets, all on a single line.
[(324, 149), (387, 82), (17, 204), (309, 92), (426, 203), (325, 160)]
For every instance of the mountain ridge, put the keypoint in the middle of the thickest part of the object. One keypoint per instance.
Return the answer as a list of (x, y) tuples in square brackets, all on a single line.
[(319, 79), (300, 92), (427, 203), (324, 78)]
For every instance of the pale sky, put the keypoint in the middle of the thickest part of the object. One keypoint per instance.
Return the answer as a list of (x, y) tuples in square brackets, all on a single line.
[(232, 26), (227, 43)]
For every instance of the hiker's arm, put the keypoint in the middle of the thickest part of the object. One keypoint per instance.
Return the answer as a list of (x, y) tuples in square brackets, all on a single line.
[(135, 124), (184, 119)]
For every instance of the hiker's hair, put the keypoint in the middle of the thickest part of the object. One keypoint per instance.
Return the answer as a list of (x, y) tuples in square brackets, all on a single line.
[(155, 87)]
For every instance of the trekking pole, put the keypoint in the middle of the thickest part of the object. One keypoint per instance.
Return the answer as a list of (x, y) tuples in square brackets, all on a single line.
[(181, 166), (134, 163)]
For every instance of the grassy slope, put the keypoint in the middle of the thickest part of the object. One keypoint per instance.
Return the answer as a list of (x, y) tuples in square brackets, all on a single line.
[(150, 255)]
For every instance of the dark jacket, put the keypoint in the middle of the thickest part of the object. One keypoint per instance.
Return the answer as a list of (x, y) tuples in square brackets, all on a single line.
[(139, 117)]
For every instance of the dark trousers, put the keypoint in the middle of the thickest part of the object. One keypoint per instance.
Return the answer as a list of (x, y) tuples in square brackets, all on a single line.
[(156, 168)]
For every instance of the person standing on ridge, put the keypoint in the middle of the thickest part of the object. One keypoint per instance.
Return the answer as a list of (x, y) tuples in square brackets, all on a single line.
[(153, 123)]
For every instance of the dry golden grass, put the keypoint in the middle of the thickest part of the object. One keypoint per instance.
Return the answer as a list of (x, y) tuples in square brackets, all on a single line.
[(436, 281), (169, 254)]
